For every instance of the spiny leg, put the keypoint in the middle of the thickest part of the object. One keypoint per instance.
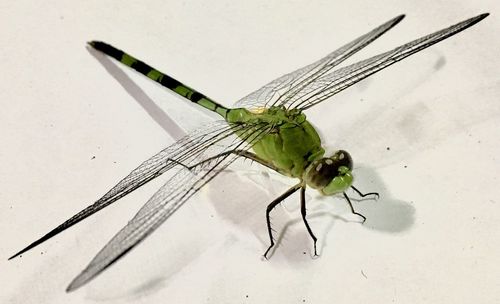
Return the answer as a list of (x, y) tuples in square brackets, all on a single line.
[(256, 158), (179, 163), (365, 194), (274, 203), (242, 153), (270, 207), (303, 212), (352, 208)]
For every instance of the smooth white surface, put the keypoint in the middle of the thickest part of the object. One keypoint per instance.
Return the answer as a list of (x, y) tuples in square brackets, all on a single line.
[(431, 238)]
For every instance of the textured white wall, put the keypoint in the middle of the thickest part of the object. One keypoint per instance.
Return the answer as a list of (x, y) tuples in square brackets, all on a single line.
[(69, 131)]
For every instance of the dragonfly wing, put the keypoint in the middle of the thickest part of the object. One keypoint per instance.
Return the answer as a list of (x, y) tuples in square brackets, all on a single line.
[(332, 83), (163, 204), (287, 85), (187, 150), (182, 186)]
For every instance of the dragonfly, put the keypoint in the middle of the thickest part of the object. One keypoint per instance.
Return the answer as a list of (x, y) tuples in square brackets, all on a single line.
[(267, 126)]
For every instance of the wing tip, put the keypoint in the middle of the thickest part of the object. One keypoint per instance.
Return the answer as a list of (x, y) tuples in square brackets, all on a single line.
[(74, 285), (482, 16), (396, 20), (41, 240), (477, 18), (27, 248), (474, 20), (391, 23), (14, 256), (83, 278)]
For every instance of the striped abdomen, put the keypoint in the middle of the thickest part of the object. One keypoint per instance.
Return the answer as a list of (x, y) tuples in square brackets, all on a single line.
[(160, 78)]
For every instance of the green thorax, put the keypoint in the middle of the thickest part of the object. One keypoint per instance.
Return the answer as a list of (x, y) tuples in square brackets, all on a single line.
[(291, 144)]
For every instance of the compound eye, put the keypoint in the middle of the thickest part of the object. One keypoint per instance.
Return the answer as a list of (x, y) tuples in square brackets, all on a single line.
[(321, 173), (341, 158)]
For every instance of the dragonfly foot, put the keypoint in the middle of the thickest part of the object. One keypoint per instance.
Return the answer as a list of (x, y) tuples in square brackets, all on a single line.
[(267, 251), (362, 216), (352, 208), (315, 251), (376, 194)]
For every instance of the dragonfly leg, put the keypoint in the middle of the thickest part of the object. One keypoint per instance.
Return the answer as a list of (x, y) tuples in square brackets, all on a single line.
[(270, 207), (365, 194), (352, 208), (303, 212), (241, 153), (256, 158), (179, 163)]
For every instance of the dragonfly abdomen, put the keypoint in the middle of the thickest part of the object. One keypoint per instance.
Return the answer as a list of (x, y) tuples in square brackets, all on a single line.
[(160, 77)]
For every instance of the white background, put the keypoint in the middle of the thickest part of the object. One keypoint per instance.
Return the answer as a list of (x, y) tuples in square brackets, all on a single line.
[(70, 131)]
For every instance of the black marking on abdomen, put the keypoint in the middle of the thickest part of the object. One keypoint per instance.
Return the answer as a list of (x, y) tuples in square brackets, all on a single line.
[(195, 97), (141, 67), (169, 82), (159, 77), (107, 49)]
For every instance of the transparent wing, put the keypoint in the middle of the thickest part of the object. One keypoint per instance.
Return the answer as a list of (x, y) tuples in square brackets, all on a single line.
[(204, 142), (332, 83), (164, 203), (290, 84)]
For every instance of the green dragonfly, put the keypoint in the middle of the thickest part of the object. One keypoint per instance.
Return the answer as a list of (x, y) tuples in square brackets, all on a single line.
[(267, 126)]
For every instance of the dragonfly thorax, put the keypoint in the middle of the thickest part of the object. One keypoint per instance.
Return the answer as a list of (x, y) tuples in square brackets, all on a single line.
[(330, 175)]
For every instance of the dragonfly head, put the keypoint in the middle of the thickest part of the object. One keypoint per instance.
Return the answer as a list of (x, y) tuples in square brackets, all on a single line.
[(330, 175)]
